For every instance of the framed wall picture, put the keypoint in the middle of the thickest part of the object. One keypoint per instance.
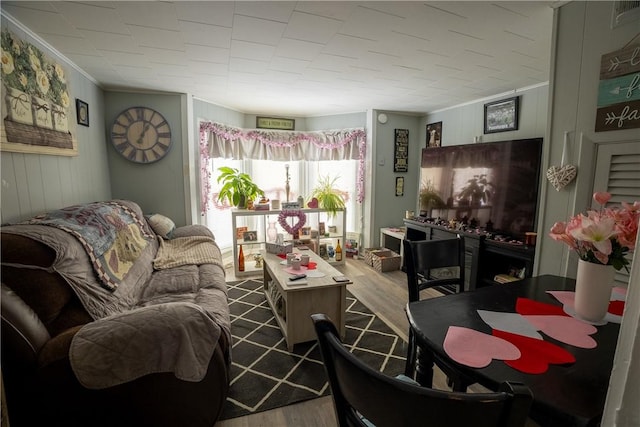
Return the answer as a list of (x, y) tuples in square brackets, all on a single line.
[(82, 112), (401, 153), (501, 116), (434, 134), (399, 186)]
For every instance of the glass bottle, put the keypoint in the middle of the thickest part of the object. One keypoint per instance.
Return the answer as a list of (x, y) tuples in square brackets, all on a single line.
[(241, 260), (338, 251)]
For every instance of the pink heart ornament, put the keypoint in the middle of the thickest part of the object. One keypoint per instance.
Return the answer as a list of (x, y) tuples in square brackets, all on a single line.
[(561, 176), (477, 349), (565, 329), (313, 203)]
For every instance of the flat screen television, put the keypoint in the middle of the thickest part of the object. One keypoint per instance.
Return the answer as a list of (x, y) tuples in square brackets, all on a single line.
[(494, 184)]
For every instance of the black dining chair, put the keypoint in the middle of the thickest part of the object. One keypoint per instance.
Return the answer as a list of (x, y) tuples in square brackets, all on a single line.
[(431, 263), (363, 396)]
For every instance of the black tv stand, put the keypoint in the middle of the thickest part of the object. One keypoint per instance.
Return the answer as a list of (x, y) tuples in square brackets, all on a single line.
[(488, 254)]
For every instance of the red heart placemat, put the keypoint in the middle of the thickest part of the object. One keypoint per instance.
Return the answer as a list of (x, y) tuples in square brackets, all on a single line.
[(529, 306), (535, 355)]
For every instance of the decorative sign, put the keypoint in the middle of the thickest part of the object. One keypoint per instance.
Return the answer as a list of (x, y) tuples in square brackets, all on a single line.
[(274, 123), (619, 90), (35, 102), (401, 154)]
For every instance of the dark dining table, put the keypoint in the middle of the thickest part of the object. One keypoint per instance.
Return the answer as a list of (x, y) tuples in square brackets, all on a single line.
[(564, 395)]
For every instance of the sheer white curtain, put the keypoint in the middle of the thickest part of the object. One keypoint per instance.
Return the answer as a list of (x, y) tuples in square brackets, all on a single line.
[(264, 154)]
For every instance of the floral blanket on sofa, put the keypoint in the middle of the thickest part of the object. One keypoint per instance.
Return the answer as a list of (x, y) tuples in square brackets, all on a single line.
[(111, 233)]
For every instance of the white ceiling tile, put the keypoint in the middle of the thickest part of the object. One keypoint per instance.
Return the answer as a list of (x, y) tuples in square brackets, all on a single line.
[(298, 49), (205, 34), (339, 10), (312, 28), (152, 14), (157, 37), (207, 53), (279, 11), (100, 17), (109, 41), (249, 50), (257, 30), (289, 65), (45, 21), (206, 12)]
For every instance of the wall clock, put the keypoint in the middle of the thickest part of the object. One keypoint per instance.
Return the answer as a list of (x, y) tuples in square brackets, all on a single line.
[(141, 134)]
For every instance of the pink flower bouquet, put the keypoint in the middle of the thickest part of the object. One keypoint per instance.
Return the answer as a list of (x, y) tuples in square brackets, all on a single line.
[(603, 237)]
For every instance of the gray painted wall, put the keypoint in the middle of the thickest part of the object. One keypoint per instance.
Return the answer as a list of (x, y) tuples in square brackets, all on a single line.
[(157, 187), (387, 209), (34, 183)]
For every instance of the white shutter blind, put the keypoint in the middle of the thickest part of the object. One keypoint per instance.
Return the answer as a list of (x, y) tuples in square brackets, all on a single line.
[(618, 172)]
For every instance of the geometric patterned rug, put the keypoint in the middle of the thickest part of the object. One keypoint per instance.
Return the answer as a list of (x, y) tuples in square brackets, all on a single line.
[(264, 375)]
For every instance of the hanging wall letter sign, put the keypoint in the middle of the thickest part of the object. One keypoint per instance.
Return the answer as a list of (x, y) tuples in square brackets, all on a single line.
[(619, 90), (401, 153)]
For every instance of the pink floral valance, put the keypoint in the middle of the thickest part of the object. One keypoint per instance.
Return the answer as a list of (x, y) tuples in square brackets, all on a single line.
[(218, 140)]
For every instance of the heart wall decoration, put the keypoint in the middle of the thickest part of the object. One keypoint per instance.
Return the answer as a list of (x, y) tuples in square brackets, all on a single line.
[(561, 176), (294, 228)]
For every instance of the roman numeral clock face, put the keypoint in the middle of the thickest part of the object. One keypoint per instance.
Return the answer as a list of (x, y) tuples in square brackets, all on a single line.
[(141, 134)]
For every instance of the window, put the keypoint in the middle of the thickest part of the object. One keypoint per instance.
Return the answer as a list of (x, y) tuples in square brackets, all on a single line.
[(271, 176)]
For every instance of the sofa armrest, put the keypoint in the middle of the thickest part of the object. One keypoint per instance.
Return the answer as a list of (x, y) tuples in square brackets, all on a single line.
[(22, 330), (192, 230)]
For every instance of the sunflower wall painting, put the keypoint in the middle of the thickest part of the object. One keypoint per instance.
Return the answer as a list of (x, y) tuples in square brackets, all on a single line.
[(35, 101)]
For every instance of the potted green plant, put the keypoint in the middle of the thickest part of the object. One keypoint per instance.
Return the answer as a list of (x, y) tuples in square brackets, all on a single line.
[(329, 198), (429, 197), (237, 188), (477, 191)]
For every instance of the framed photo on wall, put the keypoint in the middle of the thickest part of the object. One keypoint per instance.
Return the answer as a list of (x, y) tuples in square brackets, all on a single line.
[(82, 112), (399, 186), (434, 134), (501, 116)]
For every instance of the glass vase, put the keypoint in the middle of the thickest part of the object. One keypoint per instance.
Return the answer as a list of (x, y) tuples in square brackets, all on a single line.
[(272, 232), (593, 290)]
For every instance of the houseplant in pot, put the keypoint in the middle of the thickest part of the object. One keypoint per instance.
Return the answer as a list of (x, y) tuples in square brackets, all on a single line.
[(329, 198), (602, 239), (429, 197), (237, 187)]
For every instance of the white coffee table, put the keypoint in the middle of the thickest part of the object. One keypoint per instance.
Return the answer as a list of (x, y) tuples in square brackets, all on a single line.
[(293, 303)]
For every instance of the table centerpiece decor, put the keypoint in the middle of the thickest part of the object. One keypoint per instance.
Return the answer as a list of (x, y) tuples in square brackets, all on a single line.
[(602, 239)]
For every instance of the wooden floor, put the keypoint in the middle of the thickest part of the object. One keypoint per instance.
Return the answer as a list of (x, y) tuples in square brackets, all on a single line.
[(386, 295)]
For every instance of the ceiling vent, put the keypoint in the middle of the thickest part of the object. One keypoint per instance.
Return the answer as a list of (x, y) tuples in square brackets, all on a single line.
[(625, 12)]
